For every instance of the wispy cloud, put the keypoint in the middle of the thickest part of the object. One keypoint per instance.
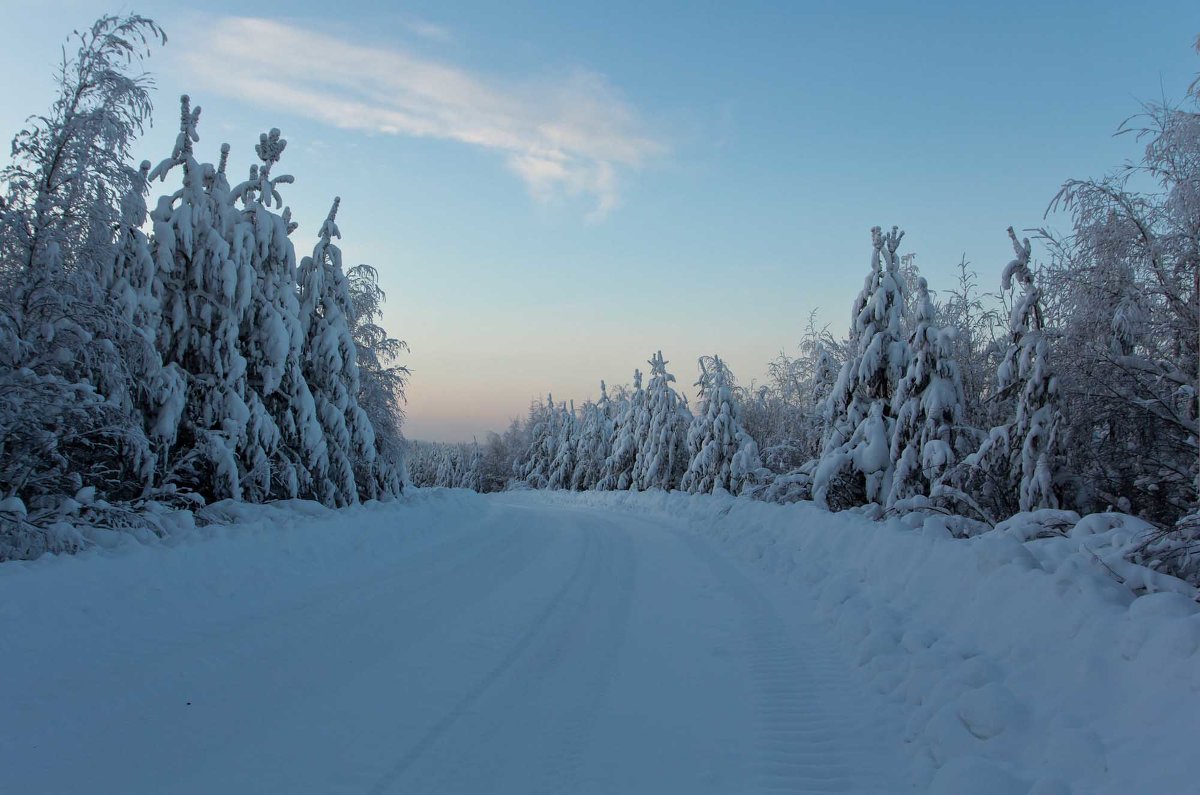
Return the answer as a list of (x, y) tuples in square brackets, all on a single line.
[(427, 30), (568, 136)]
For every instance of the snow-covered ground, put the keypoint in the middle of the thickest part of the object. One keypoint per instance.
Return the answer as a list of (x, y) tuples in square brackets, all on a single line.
[(598, 643)]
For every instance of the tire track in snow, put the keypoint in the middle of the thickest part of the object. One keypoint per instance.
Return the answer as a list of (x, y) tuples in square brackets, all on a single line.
[(811, 722), (463, 708), (355, 632), (596, 637)]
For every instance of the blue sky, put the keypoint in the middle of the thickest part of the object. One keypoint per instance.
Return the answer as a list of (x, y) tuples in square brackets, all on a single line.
[(551, 191)]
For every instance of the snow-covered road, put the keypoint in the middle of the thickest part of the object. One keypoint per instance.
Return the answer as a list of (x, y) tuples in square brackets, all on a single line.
[(538, 642), (532, 647)]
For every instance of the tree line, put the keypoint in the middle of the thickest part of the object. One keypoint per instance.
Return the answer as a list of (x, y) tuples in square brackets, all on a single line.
[(1074, 387)]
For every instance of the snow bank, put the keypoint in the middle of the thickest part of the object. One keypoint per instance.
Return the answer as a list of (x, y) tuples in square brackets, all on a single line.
[(1024, 664)]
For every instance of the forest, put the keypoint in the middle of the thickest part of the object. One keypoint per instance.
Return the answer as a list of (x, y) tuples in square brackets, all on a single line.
[(164, 354), (164, 348)]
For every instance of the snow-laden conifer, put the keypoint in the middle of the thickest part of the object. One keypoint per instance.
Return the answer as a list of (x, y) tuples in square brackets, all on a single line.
[(1017, 465), (331, 366), (662, 451), (562, 467), (859, 407), (287, 444), (204, 262), (534, 467), (129, 278), (472, 474), (628, 417), (722, 453), (594, 443), (928, 406)]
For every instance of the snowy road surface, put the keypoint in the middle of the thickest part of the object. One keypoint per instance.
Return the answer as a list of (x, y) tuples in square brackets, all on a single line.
[(528, 648)]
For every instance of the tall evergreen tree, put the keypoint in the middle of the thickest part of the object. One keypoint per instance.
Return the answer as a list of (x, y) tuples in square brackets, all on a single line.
[(331, 366), (534, 467), (562, 467), (662, 452), (629, 416), (1016, 467), (204, 261), (722, 453), (129, 278), (928, 406), (287, 444), (855, 466), (594, 444)]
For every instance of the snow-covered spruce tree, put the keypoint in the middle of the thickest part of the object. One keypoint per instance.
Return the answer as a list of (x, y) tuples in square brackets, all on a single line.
[(562, 468), (594, 443), (381, 385), (129, 279), (446, 473), (204, 257), (855, 466), (285, 451), (419, 463), (928, 407), (127, 276), (472, 477), (662, 452), (1016, 467), (534, 467), (722, 454), (629, 416), (70, 367), (331, 368)]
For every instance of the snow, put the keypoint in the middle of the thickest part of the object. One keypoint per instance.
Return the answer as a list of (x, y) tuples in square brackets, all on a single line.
[(1029, 659), (595, 642)]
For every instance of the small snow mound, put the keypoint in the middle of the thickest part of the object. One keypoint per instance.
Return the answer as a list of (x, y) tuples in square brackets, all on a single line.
[(989, 710), (1044, 523), (996, 551), (1162, 605), (1105, 523)]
